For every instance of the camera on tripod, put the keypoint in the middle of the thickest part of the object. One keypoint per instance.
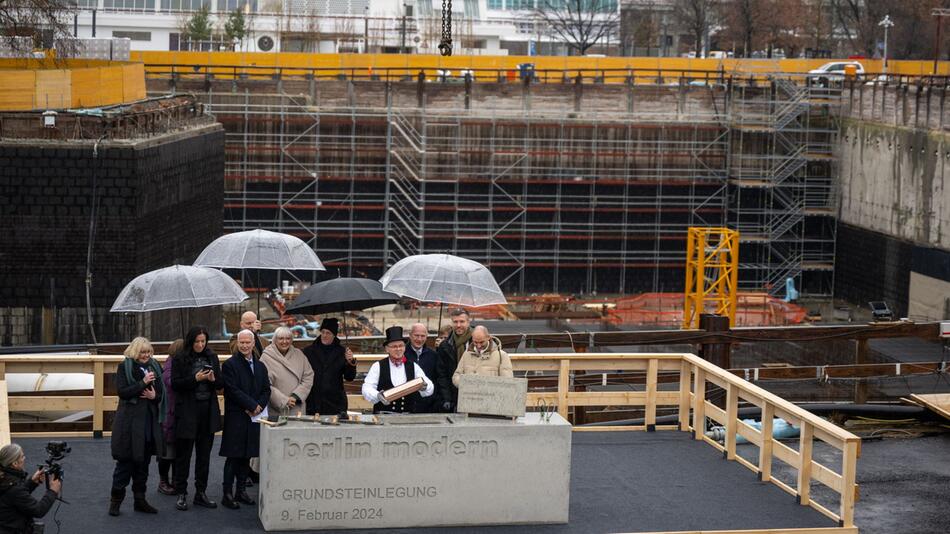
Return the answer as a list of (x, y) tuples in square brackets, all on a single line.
[(55, 451)]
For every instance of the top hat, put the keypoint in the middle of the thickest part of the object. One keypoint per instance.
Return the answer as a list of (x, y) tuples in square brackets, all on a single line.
[(393, 334), (331, 324)]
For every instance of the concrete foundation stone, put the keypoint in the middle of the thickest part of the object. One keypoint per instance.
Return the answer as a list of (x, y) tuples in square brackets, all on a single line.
[(415, 472)]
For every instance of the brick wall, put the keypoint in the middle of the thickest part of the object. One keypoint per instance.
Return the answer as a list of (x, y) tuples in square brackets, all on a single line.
[(159, 203)]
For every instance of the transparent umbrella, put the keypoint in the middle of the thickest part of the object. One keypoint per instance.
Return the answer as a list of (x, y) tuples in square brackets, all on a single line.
[(260, 249), (445, 279), (177, 287)]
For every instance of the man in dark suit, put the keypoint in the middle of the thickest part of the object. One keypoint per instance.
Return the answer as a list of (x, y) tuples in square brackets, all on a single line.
[(246, 393), (419, 353)]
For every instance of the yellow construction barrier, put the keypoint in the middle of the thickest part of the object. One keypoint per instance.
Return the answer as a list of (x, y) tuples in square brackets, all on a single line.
[(35, 84), (226, 64)]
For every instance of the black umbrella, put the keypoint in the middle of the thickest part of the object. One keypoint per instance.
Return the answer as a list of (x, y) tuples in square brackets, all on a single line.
[(340, 295)]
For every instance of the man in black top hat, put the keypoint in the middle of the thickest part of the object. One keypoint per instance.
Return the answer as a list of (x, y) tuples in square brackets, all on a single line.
[(393, 371)]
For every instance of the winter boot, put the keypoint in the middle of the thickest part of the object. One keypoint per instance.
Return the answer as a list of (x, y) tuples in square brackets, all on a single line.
[(228, 502), (141, 505), (116, 501)]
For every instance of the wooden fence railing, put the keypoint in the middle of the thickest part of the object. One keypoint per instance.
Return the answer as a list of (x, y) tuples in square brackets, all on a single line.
[(678, 382)]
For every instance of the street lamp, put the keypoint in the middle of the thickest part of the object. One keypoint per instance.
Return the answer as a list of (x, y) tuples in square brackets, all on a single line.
[(886, 23)]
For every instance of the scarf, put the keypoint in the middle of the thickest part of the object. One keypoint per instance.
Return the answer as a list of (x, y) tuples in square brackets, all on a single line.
[(127, 366), (461, 342)]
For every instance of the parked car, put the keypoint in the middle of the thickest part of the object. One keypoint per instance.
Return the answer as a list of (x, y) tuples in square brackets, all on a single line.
[(833, 72)]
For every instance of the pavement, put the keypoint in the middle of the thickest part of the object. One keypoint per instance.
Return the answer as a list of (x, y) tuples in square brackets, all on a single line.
[(620, 482)]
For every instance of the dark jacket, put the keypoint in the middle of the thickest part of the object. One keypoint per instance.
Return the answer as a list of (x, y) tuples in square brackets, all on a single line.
[(330, 369), (243, 391), (427, 362), (444, 369), (18, 508), (136, 431), (168, 425), (186, 388)]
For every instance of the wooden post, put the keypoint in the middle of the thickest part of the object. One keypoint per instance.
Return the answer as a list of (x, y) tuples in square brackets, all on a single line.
[(860, 357), (578, 91), (685, 379), (650, 408), (98, 390), (580, 412), (421, 90), (563, 385), (716, 353), (765, 451), (732, 414), (699, 405), (4, 415), (849, 493), (468, 92), (804, 469)]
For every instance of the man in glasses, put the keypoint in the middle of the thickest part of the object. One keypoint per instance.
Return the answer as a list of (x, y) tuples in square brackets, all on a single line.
[(483, 356)]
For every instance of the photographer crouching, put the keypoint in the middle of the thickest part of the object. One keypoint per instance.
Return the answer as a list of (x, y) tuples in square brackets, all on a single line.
[(18, 508)]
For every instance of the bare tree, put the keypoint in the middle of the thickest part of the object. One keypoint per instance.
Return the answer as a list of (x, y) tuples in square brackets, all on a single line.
[(742, 23), (46, 21), (696, 16), (857, 20), (579, 23)]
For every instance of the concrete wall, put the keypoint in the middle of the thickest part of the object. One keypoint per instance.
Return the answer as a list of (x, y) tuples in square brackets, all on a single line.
[(159, 203), (875, 266), (896, 181)]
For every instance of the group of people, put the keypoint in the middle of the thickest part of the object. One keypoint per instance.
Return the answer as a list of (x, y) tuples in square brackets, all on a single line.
[(464, 350), (172, 411)]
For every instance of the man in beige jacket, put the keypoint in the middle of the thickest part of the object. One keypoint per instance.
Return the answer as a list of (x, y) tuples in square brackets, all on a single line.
[(483, 356)]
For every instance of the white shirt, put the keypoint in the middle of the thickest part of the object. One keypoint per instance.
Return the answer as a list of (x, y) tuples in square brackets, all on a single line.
[(398, 376)]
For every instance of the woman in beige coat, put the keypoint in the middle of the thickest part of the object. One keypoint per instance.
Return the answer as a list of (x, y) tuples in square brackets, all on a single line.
[(290, 374), (483, 356)]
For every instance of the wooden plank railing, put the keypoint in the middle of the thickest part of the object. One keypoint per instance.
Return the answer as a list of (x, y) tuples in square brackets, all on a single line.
[(685, 386)]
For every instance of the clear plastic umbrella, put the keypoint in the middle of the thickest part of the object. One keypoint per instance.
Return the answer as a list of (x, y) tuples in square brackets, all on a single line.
[(260, 249), (443, 278), (177, 287)]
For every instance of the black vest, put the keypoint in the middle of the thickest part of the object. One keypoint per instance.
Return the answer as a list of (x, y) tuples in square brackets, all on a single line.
[(406, 404)]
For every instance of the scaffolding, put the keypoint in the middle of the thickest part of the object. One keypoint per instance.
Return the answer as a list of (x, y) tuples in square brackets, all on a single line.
[(783, 190), (571, 202)]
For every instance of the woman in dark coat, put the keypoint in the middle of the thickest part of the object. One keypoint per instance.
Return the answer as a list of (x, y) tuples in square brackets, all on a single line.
[(18, 507), (246, 393), (197, 415), (332, 363), (136, 430), (167, 458)]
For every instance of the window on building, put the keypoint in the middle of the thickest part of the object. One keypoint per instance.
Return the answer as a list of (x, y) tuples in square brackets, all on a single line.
[(496, 4), (520, 5), (129, 4), (471, 9), (185, 5), (237, 5), (425, 8), (135, 36)]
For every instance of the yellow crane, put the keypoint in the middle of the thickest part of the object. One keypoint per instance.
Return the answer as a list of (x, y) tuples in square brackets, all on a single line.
[(712, 273)]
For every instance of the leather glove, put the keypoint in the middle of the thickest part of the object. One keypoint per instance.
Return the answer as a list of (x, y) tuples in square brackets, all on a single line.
[(382, 399)]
